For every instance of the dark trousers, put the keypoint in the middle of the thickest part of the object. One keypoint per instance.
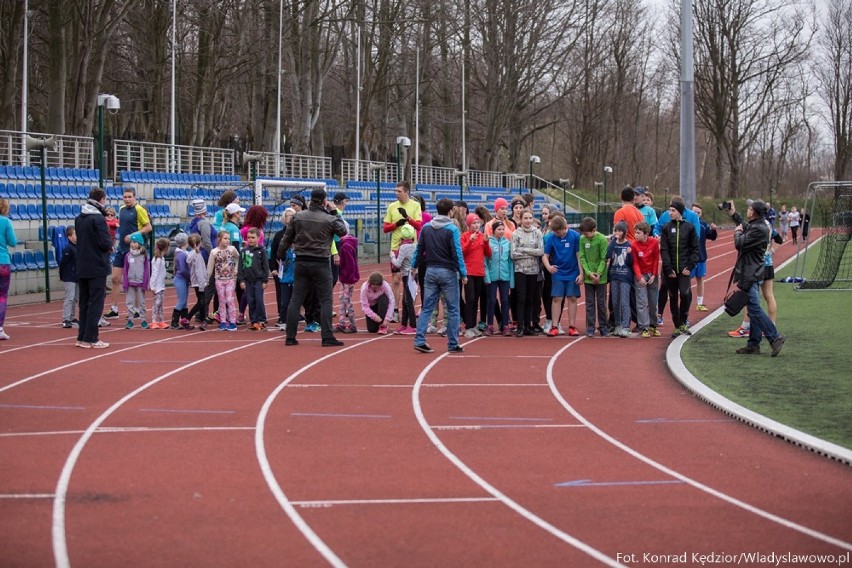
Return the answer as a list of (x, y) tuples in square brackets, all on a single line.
[(311, 275), (527, 295), (92, 294), (381, 309), (680, 298), (210, 294), (595, 305), (254, 297), (474, 290), (409, 317), (200, 306), (545, 297), (286, 291)]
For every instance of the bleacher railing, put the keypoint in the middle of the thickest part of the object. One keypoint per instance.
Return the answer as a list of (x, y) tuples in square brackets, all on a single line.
[(132, 155), (292, 166), (69, 151), (351, 170)]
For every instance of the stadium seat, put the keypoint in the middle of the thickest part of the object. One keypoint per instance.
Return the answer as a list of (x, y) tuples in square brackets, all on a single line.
[(29, 260), (33, 212), (51, 260), (39, 259), (18, 264), (51, 213), (3, 193), (69, 211), (3, 173)]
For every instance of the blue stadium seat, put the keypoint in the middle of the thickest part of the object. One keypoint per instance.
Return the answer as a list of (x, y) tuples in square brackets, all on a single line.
[(51, 213), (4, 174), (39, 259), (68, 211), (18, 264), (29, 260), (3, 193), (51, 260), (33, 212)]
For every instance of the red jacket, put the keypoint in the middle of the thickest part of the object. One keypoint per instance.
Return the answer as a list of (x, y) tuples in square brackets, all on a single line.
[(646, 257), (474, 252)]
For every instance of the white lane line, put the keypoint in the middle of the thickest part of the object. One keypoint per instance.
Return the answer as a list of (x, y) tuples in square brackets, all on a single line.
[(26, 495), (668, 471), (436, 500), (508, 502), (266, 468), (102, 353), (490, 426), (60, 544), (112, 429)]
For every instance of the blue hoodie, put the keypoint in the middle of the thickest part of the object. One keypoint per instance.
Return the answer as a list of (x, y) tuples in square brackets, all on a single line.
[(500, 265), (440, 242)]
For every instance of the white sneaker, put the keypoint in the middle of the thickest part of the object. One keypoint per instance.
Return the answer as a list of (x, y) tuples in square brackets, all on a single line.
[(3, 335), (99, 345), (470, 333), (103, 322), (281, 326), (431, 329), (561, 331), (442, 331), (548, 324)]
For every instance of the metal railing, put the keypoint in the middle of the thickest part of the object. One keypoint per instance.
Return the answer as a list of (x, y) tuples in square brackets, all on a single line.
[(361, 170), (291, 166), (131, 155), (69, 151)]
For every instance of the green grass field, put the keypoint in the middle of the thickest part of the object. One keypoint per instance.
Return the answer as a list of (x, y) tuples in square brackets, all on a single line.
[(809, 385)]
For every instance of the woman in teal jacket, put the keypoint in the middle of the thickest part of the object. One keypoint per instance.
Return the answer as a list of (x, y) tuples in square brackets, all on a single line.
[(499, 277)]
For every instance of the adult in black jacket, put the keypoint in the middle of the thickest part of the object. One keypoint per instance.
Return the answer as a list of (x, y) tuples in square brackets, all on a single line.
[(93, 267), (751, 240), (311, 233), (679, 252)]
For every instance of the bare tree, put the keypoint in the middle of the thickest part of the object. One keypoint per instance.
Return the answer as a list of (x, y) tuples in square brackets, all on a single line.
[(744, 49), (835, 74)]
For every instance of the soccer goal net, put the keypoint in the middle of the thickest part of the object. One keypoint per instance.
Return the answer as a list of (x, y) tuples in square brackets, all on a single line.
[(830, 206), (277, 192)]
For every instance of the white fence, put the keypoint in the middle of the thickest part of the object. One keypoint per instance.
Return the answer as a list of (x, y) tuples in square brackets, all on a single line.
[(131, 155), (272, 165), (69, 151)]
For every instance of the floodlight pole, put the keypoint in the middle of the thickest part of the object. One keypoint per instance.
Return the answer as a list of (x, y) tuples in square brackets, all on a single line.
[(44, 228), (378, 216), (100, 143)]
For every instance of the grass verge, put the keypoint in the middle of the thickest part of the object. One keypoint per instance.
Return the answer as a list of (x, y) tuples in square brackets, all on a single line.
[(809, 385)]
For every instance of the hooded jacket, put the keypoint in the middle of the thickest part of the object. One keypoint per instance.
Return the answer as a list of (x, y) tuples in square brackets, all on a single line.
[(440, 242), (679, 247), (751, 243), (93, 242), (499, 265)]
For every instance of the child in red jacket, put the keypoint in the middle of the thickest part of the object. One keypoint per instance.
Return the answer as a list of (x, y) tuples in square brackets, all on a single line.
[(475, 249), (646, 268)]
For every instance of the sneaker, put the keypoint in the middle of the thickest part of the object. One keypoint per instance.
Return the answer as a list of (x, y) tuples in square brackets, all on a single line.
[(383, 330), (75, 323), (590, 332), (470, 334), (222, 326), (646, 333), (659, 320), (98, 345), (684, 330), (604, 332), (573, 331), (739, 332), (424, 348), (625, 332), (254, 327), (211, 320), (553, 332), (144, 324), (700, 308), (103, 322), (519, 332), (282, 326), (395, 317), (777, 344), (442, 331), (83, 344), (129, 324), (3, 335), (654, 331), (262, 326), (489, 331), (537, 330), (312, 327), (67, 324), (560, 330), (410, 331), (481, 326), (184, 324), (547, 325), (331, 342), (676, 332), (456, 349), (217, 317), (350, 329), (749, 350), (431, 329), (112, 313), (241, 320), (232, 327), (507, 331), (291, 341)]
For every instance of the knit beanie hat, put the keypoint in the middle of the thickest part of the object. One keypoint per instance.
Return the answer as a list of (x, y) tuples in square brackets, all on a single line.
[(500, 203), (471, 218), (138, 239), (407, 232), (180, 239), (198, 206), (679, 206)]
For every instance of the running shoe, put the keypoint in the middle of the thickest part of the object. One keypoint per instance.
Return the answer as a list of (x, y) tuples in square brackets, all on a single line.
[(103, 322), (424, 348), (573, 332), (98, 345), (456, 349), (700, 308), (232, 327), (553, 332), (646, 333), (312, 327), (144, 324), (383, 330), (659, 320), (129, 324), (739, 332), (112, 313)]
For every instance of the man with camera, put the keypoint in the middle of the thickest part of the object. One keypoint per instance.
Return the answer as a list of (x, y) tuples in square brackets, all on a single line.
[(751, 240)]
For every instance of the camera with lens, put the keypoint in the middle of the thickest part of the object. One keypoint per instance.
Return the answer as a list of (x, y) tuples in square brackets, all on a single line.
[(725, 205)]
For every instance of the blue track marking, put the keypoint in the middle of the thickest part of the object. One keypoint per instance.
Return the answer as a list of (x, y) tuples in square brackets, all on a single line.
[(590, 483)]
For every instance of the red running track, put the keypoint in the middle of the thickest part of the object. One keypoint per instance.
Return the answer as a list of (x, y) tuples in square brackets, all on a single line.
[(225, 449)]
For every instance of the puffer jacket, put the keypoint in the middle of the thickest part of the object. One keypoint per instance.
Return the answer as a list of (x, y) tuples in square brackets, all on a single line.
[(499, 265), (527, 249)]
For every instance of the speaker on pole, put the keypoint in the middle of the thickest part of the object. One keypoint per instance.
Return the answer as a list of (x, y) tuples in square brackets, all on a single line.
[(33, 143)]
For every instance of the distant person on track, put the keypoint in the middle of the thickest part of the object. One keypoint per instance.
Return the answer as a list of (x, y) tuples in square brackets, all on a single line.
[(68, 276), (440, 242), (751, 240), (157, 283), (8, 240), (311, 233), (133, 219), (93, 267), (708, 232), (679, 253)]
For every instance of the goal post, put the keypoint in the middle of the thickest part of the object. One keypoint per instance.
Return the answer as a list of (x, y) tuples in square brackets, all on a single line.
[(288, 187), (829, 205)]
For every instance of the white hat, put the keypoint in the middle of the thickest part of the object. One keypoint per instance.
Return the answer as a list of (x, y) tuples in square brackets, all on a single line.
[(234, 208), (198, 206)]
